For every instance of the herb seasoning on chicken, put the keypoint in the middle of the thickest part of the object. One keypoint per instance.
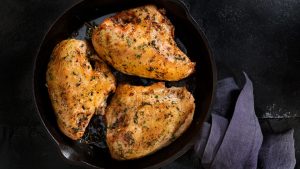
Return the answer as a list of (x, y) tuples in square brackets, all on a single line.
[(143, 119), (76, 89), (140, 42)]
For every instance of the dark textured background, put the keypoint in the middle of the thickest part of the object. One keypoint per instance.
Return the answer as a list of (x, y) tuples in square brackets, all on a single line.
[(260, 37)]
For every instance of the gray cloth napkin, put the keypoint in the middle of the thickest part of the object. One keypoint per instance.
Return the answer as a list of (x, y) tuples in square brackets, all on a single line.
[(233, 139)]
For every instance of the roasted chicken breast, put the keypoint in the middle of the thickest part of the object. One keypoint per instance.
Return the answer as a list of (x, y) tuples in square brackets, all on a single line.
[(140, 42), (143, 119), (76, 89)]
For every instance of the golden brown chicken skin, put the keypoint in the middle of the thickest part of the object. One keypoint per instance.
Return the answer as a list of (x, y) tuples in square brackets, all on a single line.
[(142, 120), (140, 42), (76, 89)]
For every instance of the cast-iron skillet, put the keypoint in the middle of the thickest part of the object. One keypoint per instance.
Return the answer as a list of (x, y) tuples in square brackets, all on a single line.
[(201, 83)]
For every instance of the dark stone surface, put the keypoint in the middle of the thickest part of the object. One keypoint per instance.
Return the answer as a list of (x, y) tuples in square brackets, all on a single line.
[(261, 38)]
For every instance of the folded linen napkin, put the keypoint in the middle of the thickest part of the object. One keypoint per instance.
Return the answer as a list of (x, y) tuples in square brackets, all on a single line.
[(277, 151), (233, 138)]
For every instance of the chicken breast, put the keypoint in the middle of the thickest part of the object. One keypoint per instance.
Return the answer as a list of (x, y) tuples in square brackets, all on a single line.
[(76, 89), (140, 42), (142, 120)]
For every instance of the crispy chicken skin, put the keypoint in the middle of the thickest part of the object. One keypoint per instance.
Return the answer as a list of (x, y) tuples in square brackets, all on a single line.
[(76, 89), (141, 120), (140, 42)]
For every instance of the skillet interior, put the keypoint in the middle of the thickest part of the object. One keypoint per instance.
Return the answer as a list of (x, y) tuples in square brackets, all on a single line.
[(200, 83)]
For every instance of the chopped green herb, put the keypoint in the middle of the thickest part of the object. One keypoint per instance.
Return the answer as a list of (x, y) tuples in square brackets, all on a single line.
[(75, 129), (130, 151), (141, 47), (145, 103), (150, 69), (173, 137), (135, 118), (138, 55), (153, 43), (179, 57), (92, 78), (83, 118), (129, 42), (142, 113)]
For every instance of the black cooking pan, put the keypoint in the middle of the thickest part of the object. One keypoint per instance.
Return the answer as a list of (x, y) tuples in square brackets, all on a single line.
[(189, 37)]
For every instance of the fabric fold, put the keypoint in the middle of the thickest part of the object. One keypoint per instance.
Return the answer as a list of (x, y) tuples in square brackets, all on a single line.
[(233, 139), (218, 128), (278, 151)]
